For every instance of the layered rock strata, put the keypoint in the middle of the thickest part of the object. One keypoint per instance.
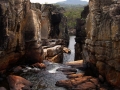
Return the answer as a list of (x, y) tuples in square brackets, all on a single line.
[(101, 48), (23, 29)]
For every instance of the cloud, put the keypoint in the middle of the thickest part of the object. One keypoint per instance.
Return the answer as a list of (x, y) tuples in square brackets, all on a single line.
[(46, 1)]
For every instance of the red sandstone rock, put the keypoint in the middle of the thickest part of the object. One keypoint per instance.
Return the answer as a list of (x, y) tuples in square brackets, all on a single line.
[(81, 80), (75, 75), (86, 86), (66, 50), (103, 39), (70, 83), (64, 83), (102, 88), (57, 58), (94, 81), (78, 63), (39, 65), (69, 73), (18, 83)]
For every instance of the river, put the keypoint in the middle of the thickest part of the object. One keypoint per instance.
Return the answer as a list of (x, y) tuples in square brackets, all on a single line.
[(46, 79)]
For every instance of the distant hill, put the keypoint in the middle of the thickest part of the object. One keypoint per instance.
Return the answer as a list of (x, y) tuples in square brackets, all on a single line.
[(73, 2)]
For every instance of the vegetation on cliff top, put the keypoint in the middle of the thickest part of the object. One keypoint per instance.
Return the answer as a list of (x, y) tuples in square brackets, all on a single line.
[(72, 12)]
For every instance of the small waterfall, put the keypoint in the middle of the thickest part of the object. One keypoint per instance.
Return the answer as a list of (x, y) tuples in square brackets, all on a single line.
[(70, 57)]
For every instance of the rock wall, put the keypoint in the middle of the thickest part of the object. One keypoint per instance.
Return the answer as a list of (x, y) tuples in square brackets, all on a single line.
[(53, 22), (102, 48), (80, 33), (16, 29), (23, 26)]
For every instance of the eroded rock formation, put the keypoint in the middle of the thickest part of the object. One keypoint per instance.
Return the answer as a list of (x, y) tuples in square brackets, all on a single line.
[(80, 33), (13, 21), (24, 27), (102, 48)]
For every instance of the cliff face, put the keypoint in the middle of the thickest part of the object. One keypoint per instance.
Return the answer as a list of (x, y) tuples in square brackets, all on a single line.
[(22, 26), (14, 16), (103, 39), (80, 33)]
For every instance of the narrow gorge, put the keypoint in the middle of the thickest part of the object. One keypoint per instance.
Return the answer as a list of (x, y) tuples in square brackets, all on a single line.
[(37, 53)]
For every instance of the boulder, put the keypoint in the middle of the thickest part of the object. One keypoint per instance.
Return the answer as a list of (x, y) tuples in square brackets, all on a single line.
[(87, 85), (53, 54), (66, 50), (57, 58), (39, 65), (18, 83), (79, 83)]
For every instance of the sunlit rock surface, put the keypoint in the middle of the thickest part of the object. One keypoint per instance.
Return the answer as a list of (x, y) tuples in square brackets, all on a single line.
[(23, 28), (103, 39), (12, 21), (18, 83)]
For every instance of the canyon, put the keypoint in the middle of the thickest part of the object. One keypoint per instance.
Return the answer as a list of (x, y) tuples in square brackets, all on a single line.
[(31, 33)]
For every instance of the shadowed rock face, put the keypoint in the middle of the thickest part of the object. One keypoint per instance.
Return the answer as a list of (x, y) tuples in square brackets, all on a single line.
[(53, 22), (80, 33), (12, 22), (103, 38), (22, 26)]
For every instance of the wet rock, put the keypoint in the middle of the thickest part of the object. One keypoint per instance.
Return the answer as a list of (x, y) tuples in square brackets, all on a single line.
[(39, 65), (64, 83), (17, 69), (67, 69), (18, 83), (79, 83), (66, 50), (76, 64), (87, 85), (75, 75), (68, 73)]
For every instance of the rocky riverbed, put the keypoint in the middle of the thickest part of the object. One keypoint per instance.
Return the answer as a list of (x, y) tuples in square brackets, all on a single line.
[(54, 77), (71, 75)]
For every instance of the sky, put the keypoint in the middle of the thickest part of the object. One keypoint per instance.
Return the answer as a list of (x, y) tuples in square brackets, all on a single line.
[(49, 1)]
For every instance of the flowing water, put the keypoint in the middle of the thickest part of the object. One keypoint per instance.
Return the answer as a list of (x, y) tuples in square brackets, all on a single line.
[(46, 79), (70, 57)]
